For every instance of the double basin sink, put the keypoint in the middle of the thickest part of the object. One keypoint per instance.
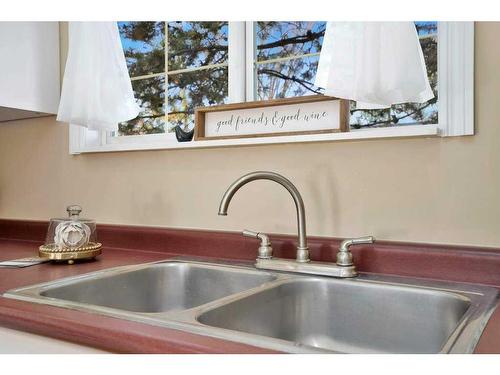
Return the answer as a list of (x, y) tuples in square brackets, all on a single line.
[(282, 311)]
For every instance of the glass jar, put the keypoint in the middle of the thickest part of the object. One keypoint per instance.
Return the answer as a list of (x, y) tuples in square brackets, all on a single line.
[(72, 232), (71, 238)]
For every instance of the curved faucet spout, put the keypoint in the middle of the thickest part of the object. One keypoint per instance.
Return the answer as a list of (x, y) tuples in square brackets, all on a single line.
[(302, 249)]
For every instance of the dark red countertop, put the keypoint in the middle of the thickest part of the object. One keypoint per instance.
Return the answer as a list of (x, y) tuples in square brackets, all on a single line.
[(134, 245)]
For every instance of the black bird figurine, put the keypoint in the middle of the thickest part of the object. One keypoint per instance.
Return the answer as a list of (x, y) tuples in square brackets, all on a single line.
[(183, 136)]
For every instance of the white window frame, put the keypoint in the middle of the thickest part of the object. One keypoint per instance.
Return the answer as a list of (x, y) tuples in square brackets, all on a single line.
[(456, 99)]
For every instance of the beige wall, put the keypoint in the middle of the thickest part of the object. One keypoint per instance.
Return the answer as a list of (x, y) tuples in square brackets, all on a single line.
[(432, 190)]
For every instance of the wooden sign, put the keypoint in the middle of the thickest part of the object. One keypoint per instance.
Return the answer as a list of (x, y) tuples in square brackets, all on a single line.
[(294, 116)]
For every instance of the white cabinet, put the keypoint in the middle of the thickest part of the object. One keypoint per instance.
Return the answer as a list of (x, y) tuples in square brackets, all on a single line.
[(29, 69)]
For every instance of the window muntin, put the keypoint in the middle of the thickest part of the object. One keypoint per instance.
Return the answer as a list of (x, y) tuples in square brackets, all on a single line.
[(192, 58)]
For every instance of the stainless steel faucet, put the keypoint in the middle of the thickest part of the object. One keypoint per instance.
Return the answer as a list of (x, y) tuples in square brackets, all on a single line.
[(302, 249), (344, 266)]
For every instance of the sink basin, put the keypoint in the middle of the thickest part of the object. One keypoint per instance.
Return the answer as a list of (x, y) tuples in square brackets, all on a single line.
[(158, 287), (349, 317), (282, 311)]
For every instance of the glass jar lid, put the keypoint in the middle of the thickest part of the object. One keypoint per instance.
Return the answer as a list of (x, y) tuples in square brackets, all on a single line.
[(73, 211)]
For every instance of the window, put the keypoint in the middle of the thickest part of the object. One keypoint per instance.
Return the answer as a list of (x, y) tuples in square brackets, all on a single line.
[(177, 66)]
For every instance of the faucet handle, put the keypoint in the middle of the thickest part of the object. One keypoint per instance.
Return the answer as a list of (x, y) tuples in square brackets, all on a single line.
[(250, 233), (265, 249), (344, 256), (360, 240)]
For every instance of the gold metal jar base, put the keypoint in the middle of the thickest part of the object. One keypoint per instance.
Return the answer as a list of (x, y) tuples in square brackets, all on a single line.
[(91, 250)]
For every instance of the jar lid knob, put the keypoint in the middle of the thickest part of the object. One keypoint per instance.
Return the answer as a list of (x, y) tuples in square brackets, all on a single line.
[(74, 210)]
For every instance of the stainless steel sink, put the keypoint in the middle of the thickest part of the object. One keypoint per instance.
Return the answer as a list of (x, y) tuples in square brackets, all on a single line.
[(277, 310), (347, 317), (158, 287)]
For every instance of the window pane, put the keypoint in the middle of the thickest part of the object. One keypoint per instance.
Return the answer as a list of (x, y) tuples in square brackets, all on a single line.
[(369, 118), (283, 39), (186, 91), (144, 47), (195, 44), (426, 27), (150, 94), (287, 79)]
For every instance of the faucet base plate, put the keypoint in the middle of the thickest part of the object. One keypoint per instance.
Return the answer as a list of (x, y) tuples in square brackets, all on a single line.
[(313, 268)]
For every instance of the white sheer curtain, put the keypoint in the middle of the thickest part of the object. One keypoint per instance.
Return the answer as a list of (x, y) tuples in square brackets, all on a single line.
[(96, 92), (377, 64)]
